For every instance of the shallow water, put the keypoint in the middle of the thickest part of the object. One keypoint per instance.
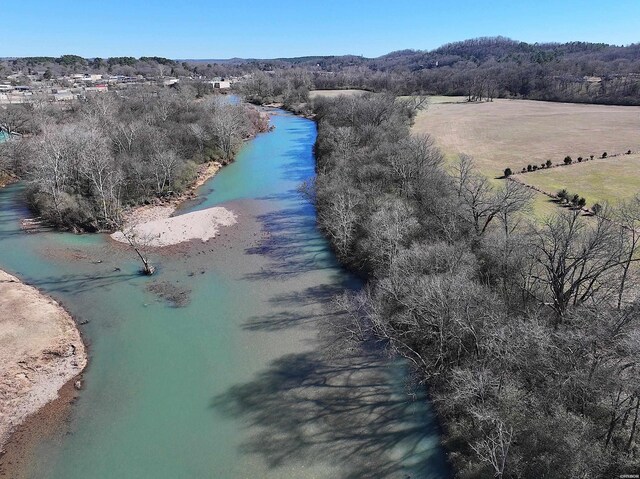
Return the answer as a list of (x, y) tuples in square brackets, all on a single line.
[(238, 383)]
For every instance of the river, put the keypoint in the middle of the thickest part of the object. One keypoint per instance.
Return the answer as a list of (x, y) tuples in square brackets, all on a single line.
[(245, 380)]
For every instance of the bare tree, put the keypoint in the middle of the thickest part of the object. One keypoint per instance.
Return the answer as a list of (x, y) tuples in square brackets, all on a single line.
[(574, 261), (16, 119), (494, 448)]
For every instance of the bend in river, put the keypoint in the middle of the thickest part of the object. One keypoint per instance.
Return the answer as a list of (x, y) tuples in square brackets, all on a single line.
[(244, 379)]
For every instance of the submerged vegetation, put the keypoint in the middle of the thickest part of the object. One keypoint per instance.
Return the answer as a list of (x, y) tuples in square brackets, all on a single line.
[(526, 335)]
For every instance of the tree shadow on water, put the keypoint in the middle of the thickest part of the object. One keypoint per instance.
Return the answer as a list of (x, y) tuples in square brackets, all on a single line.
[(343, 409), (293, 244), (293, 308), (80, 283)]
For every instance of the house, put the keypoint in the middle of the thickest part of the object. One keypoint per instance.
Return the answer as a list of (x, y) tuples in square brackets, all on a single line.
[(63, 95), (170, 81), (100, 88), (220, 84)]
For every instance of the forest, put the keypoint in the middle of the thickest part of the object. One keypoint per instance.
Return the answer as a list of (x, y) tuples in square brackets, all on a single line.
[(86, 161), (526, 334), (481, 69)]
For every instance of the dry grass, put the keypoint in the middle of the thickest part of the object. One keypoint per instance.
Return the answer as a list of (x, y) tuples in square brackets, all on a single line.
[(514, 133), (333, 93), (600, 180)]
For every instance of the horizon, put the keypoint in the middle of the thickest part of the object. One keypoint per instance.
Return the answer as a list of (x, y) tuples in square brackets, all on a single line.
[(254, 30), (227, 59)]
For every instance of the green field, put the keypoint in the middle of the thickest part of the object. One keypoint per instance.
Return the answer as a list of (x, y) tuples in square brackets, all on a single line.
[(601, 180), (514, 133)]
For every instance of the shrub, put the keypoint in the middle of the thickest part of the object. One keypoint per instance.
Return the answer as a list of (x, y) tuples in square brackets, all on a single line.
[(575, 199), (591, 157), (579, 159), (542, 165), (563, 195), (567, 160), (628, 152), (529, 167), (604, 155), (596, 208), (535, 167), (507, 172), (582, 202), (524, 170), (549, 163)]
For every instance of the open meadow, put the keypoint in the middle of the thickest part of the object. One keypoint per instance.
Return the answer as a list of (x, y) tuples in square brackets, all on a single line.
[(515, 133), (333, 93), (601, 180)]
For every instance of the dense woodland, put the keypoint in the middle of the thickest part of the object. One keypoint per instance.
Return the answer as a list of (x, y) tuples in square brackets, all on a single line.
[(526, 335), (480, 69), (84, 162)]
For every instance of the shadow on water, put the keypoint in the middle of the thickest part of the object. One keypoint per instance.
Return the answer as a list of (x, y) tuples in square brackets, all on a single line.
[(293, 244), (79, 283), (291, 315), (340, 408)]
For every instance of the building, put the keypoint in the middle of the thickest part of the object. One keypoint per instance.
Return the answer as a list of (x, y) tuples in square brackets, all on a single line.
[(63, 95), (220, 84), (170, 81), (101, 88)]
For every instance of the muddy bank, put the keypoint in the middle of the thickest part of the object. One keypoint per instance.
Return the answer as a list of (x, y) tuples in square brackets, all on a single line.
[(40, 351)]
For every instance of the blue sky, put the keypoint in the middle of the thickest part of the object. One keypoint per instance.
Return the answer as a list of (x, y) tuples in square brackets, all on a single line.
[(278, 28)]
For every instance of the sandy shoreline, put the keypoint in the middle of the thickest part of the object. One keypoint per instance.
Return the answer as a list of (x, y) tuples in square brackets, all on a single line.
[(154, 226), (201, 225), (40, 351)]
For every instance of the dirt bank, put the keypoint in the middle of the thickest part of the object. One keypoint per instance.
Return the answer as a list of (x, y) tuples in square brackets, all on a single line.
[(40, 350)]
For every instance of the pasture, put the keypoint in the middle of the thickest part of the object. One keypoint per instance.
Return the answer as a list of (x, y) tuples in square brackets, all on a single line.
[(333, 93), (601, 180), (515, 133)]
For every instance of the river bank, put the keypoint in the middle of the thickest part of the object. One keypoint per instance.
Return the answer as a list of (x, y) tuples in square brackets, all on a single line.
[(40, 351), (239, 380)]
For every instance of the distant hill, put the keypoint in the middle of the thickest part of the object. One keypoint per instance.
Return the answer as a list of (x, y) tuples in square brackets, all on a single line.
[(480, 68)]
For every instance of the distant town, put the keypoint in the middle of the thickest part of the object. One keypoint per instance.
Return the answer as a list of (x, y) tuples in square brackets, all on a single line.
[(26, 85)]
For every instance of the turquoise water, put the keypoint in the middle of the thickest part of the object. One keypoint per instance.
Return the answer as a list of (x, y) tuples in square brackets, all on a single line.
[(246, 380)]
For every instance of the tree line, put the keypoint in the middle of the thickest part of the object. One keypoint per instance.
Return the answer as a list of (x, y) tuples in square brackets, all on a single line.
[(526, 334), (85, 162), (480, 69)]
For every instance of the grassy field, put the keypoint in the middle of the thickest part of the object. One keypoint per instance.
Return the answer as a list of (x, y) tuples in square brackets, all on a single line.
[(433, 99), (514, 133), (600, 180), (333, 93)]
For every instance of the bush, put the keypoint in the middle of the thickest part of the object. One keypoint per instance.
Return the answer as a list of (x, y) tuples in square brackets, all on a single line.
[(604, 155), (582, 202), (628, 152), (549, 163), (563, 195), (508, 172), (567, 160), (524, 170), (529, 167), (535, 167), (596, 208), (591, 157), (579, 159)]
